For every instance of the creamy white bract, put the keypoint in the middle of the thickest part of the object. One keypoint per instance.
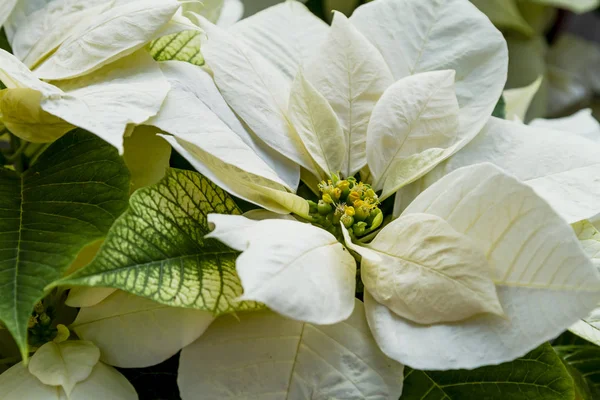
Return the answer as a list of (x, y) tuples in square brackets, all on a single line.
[(82, 64), (65, 370), (477, 269)]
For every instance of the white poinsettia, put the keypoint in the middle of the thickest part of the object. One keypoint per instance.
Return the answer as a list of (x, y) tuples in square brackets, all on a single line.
[(89, 70), (66, 370), (478, 270)]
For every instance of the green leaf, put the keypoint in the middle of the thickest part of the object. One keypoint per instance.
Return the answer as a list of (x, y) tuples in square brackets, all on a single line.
[(539, 375), (157, 248), (69, 198), (500, 109), (182, 46), (586, 361), (4, 44)]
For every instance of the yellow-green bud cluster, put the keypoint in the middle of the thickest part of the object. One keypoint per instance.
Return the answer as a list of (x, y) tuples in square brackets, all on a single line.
[(40, 325), (354, 204)]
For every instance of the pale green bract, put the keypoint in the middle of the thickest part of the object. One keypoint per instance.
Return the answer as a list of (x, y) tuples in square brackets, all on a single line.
[(65, 371), (64, 364)]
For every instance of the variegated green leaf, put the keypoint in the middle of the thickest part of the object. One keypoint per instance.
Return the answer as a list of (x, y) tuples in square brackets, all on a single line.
[(182, 46), (157, 248)]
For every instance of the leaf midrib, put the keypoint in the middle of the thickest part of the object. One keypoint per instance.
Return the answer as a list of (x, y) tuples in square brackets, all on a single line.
[(18, 260)]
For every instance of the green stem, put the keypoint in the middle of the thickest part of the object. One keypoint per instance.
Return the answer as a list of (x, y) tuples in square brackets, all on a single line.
[(17, 153), (37, 152)]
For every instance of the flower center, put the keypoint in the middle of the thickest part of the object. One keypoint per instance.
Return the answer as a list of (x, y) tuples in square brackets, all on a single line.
[(354, 204)]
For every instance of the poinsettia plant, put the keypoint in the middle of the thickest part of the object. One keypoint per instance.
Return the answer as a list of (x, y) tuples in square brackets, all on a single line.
[(283, 208)]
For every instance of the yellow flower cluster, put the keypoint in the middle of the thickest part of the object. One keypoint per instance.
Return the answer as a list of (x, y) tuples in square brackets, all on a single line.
[(354, 204)]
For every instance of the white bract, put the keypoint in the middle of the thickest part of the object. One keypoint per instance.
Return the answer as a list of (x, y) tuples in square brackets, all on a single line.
[(262, 355), (478, 270), (81, 64), (104, 81), (67, 370), (134, 332)]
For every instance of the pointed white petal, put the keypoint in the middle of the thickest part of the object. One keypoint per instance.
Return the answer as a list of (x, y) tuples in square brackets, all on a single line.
[(518, 100), (352, 76), (414, 126), (286, 34), (418, 36), (255, 89), (17, 383), (134, 332), (64, 364), (544, 280), (113, 34), (562, 168), (104, 383), (318, 127), (265, 356), (296, 269), (433, 274)]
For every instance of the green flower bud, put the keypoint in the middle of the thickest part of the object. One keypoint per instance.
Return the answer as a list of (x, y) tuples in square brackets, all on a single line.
[(38, 308), (312, 207), (347, 220), (377, 219), (359, 228), (336, 218), (324, 208), (45, 319)]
